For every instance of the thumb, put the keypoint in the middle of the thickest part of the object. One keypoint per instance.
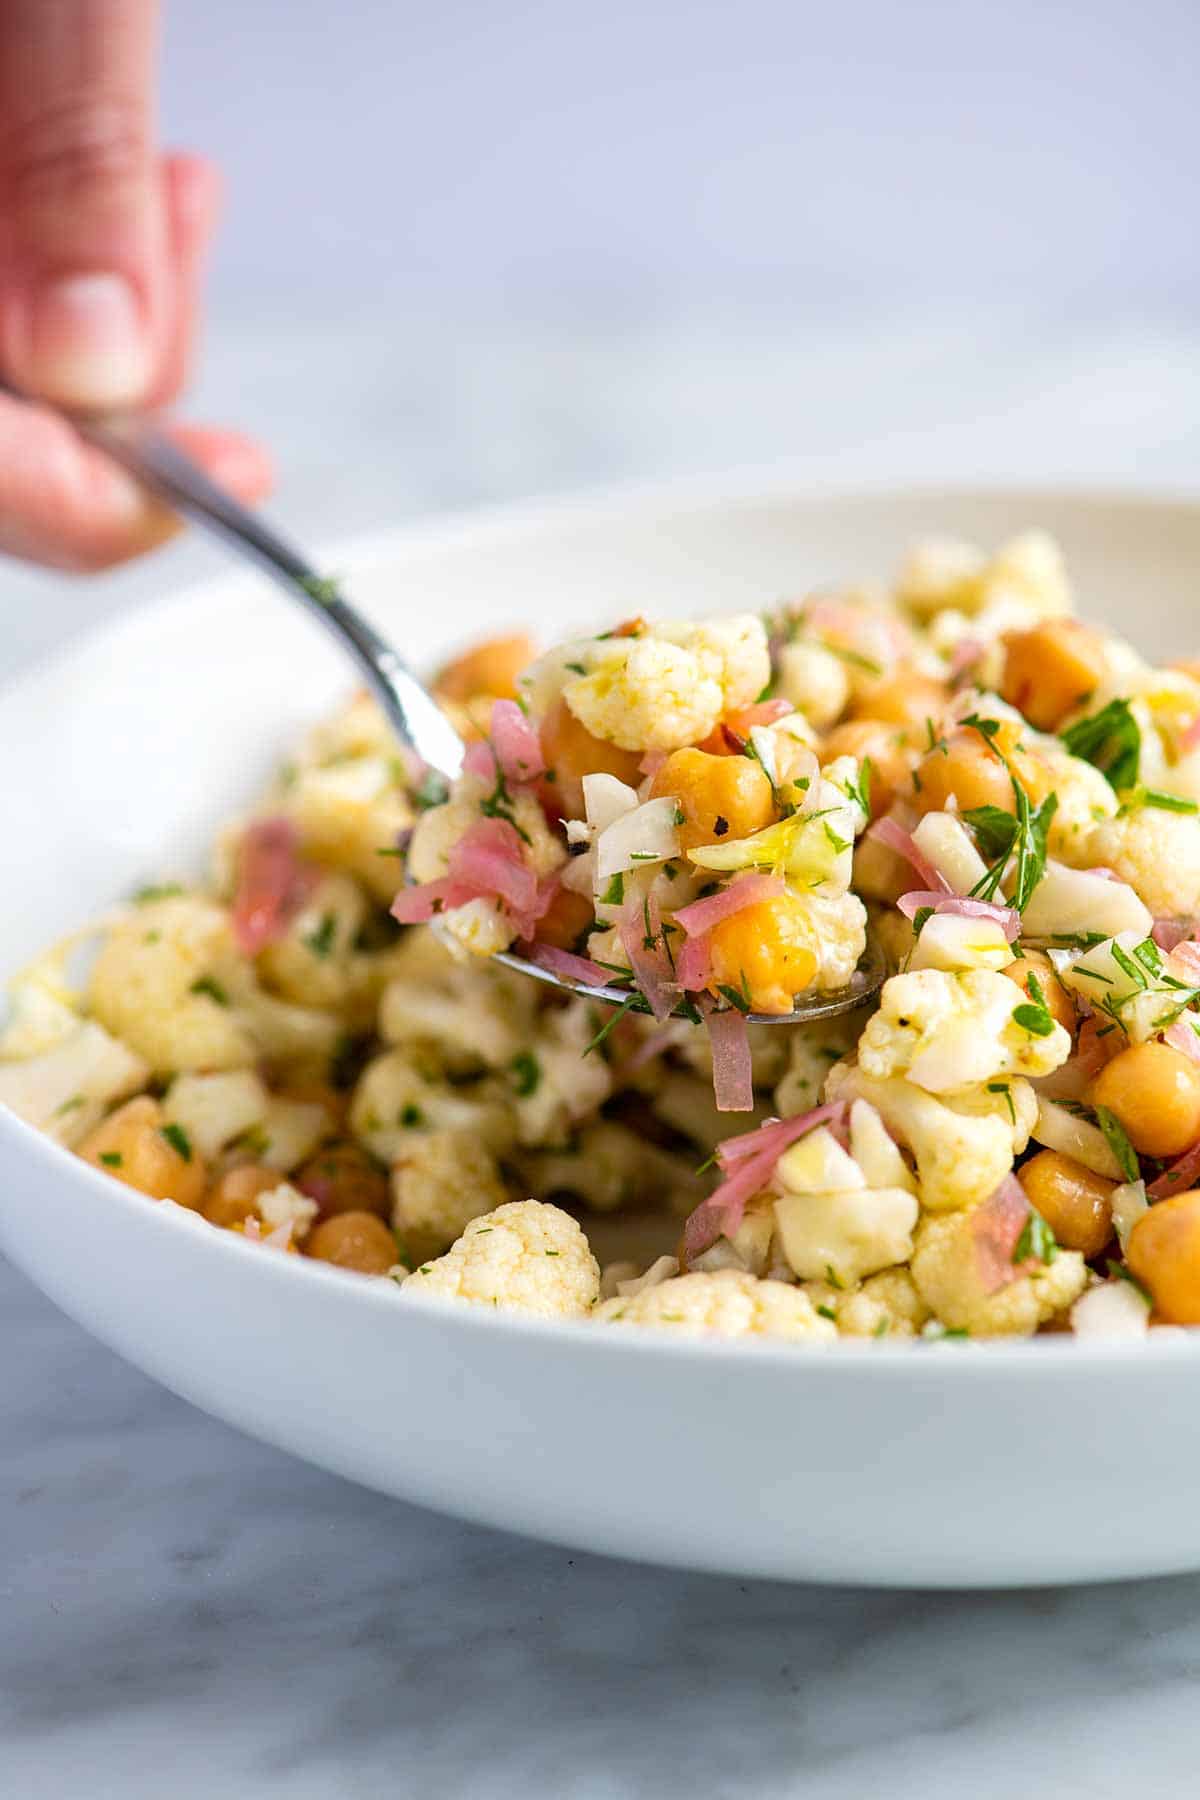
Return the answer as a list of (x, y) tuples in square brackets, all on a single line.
[(83, 229)]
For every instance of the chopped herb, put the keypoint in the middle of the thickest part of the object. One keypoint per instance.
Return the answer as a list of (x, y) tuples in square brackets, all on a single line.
[(208, 984), (1129, 968), (956, 1331), (859, 791), (1031, 829), (526, 1073), (164, 890), (1155, 797), (411, 1115), (882, 1329), (839, 843), (614, 893), (499, 803), (321, 941), (740, 1001), (575, 668), (681, 816), (832, 1277), (994, 830), (1035, 1018), (178, 1139), (1036, 1240), (322, 588), (614, 1019), (552, 1253), (921, 918), (1078, 940), (1149, 955), (1118, 1142), (67, 1106), (827, 1312), (854, 657), (432, 790), (1002, 1087), (1111, 741), (112, 1159)]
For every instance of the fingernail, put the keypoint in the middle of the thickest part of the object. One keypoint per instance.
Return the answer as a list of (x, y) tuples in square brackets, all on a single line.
[(86, 343)]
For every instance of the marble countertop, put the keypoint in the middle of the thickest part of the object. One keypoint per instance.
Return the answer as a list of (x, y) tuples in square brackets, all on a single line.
[(183, 1610)]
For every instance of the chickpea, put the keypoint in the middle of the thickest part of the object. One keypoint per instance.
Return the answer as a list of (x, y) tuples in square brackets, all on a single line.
[(1164, 1253), (902, 698), (765, 951), (1075, 1203), (488, 668), (966, 768), (1154, 1091), (234, 1198), (343, 1178), (1036, 962), (354, 1240), (568, 916), (572, 752), (887, 750), (721, 796), (130, 1144), (1050, 670)]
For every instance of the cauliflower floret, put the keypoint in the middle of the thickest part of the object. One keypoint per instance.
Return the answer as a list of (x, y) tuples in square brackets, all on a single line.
[(732, 651), (475, 1017), (481, 927), (656, 697), (157, 980), (941, 573), (949, 1031), (441, 1180), (946, 1271), (526, 1256), (66, 1090), (1157, 853), (347, 812), (888, 1305), (1084, 797), (285, 1205), (314, 962), (554, 1082), (852, 1231), (964, 1147), (839, 925), (727, 1303), (401, 1092), (815, 681)]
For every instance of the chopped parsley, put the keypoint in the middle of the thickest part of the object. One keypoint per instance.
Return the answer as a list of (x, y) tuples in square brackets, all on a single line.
[(321, 940), (112, 1159), (855, 658), (499, 803), (576, 668), (827, 1312), (859, 791), (1002, 1087), (208, 984), (410, 1116), (526, 1073), (178, 1139), (1035, 1016), (833, 1278), (1036, 1240), (163, 890), (1111, 741), (432, 790), (1117, 1139), (614, 893), (1031, 827), (67, 1106)]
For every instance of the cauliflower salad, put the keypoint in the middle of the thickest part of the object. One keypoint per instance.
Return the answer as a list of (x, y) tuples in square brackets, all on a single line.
[(314, 1048)]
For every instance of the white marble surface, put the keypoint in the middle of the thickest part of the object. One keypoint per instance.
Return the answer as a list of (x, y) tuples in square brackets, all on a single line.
[(184, 1611)]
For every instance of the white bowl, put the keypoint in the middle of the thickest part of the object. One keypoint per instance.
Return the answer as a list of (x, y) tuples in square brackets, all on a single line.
[(959, 1465)]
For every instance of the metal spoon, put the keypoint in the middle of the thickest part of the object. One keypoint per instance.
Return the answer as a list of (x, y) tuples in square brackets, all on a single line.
[(159, 464)]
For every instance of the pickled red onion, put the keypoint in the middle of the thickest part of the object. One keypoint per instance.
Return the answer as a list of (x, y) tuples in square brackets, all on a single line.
[(892, 834), (1006, 917)]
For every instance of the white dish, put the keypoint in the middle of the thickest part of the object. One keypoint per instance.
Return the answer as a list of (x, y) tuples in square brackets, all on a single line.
[(959, 1465)]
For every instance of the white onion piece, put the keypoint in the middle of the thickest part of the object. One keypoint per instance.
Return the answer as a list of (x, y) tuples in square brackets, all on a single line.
[(1114, 1309), (605, 799), (944, 841), (1069, 900), (648, 834), (1062, 1130), (1129, 1202)]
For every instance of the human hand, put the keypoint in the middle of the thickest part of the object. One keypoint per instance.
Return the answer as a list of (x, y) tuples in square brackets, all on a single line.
[(102, 247)]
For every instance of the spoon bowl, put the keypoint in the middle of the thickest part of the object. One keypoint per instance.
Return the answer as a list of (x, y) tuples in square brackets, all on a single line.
[(141, 447)]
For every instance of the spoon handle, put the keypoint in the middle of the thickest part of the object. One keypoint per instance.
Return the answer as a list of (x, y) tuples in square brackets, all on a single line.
[(160, 465)]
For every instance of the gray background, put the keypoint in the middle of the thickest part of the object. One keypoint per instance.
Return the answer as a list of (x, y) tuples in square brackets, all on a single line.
[(484, 250)]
